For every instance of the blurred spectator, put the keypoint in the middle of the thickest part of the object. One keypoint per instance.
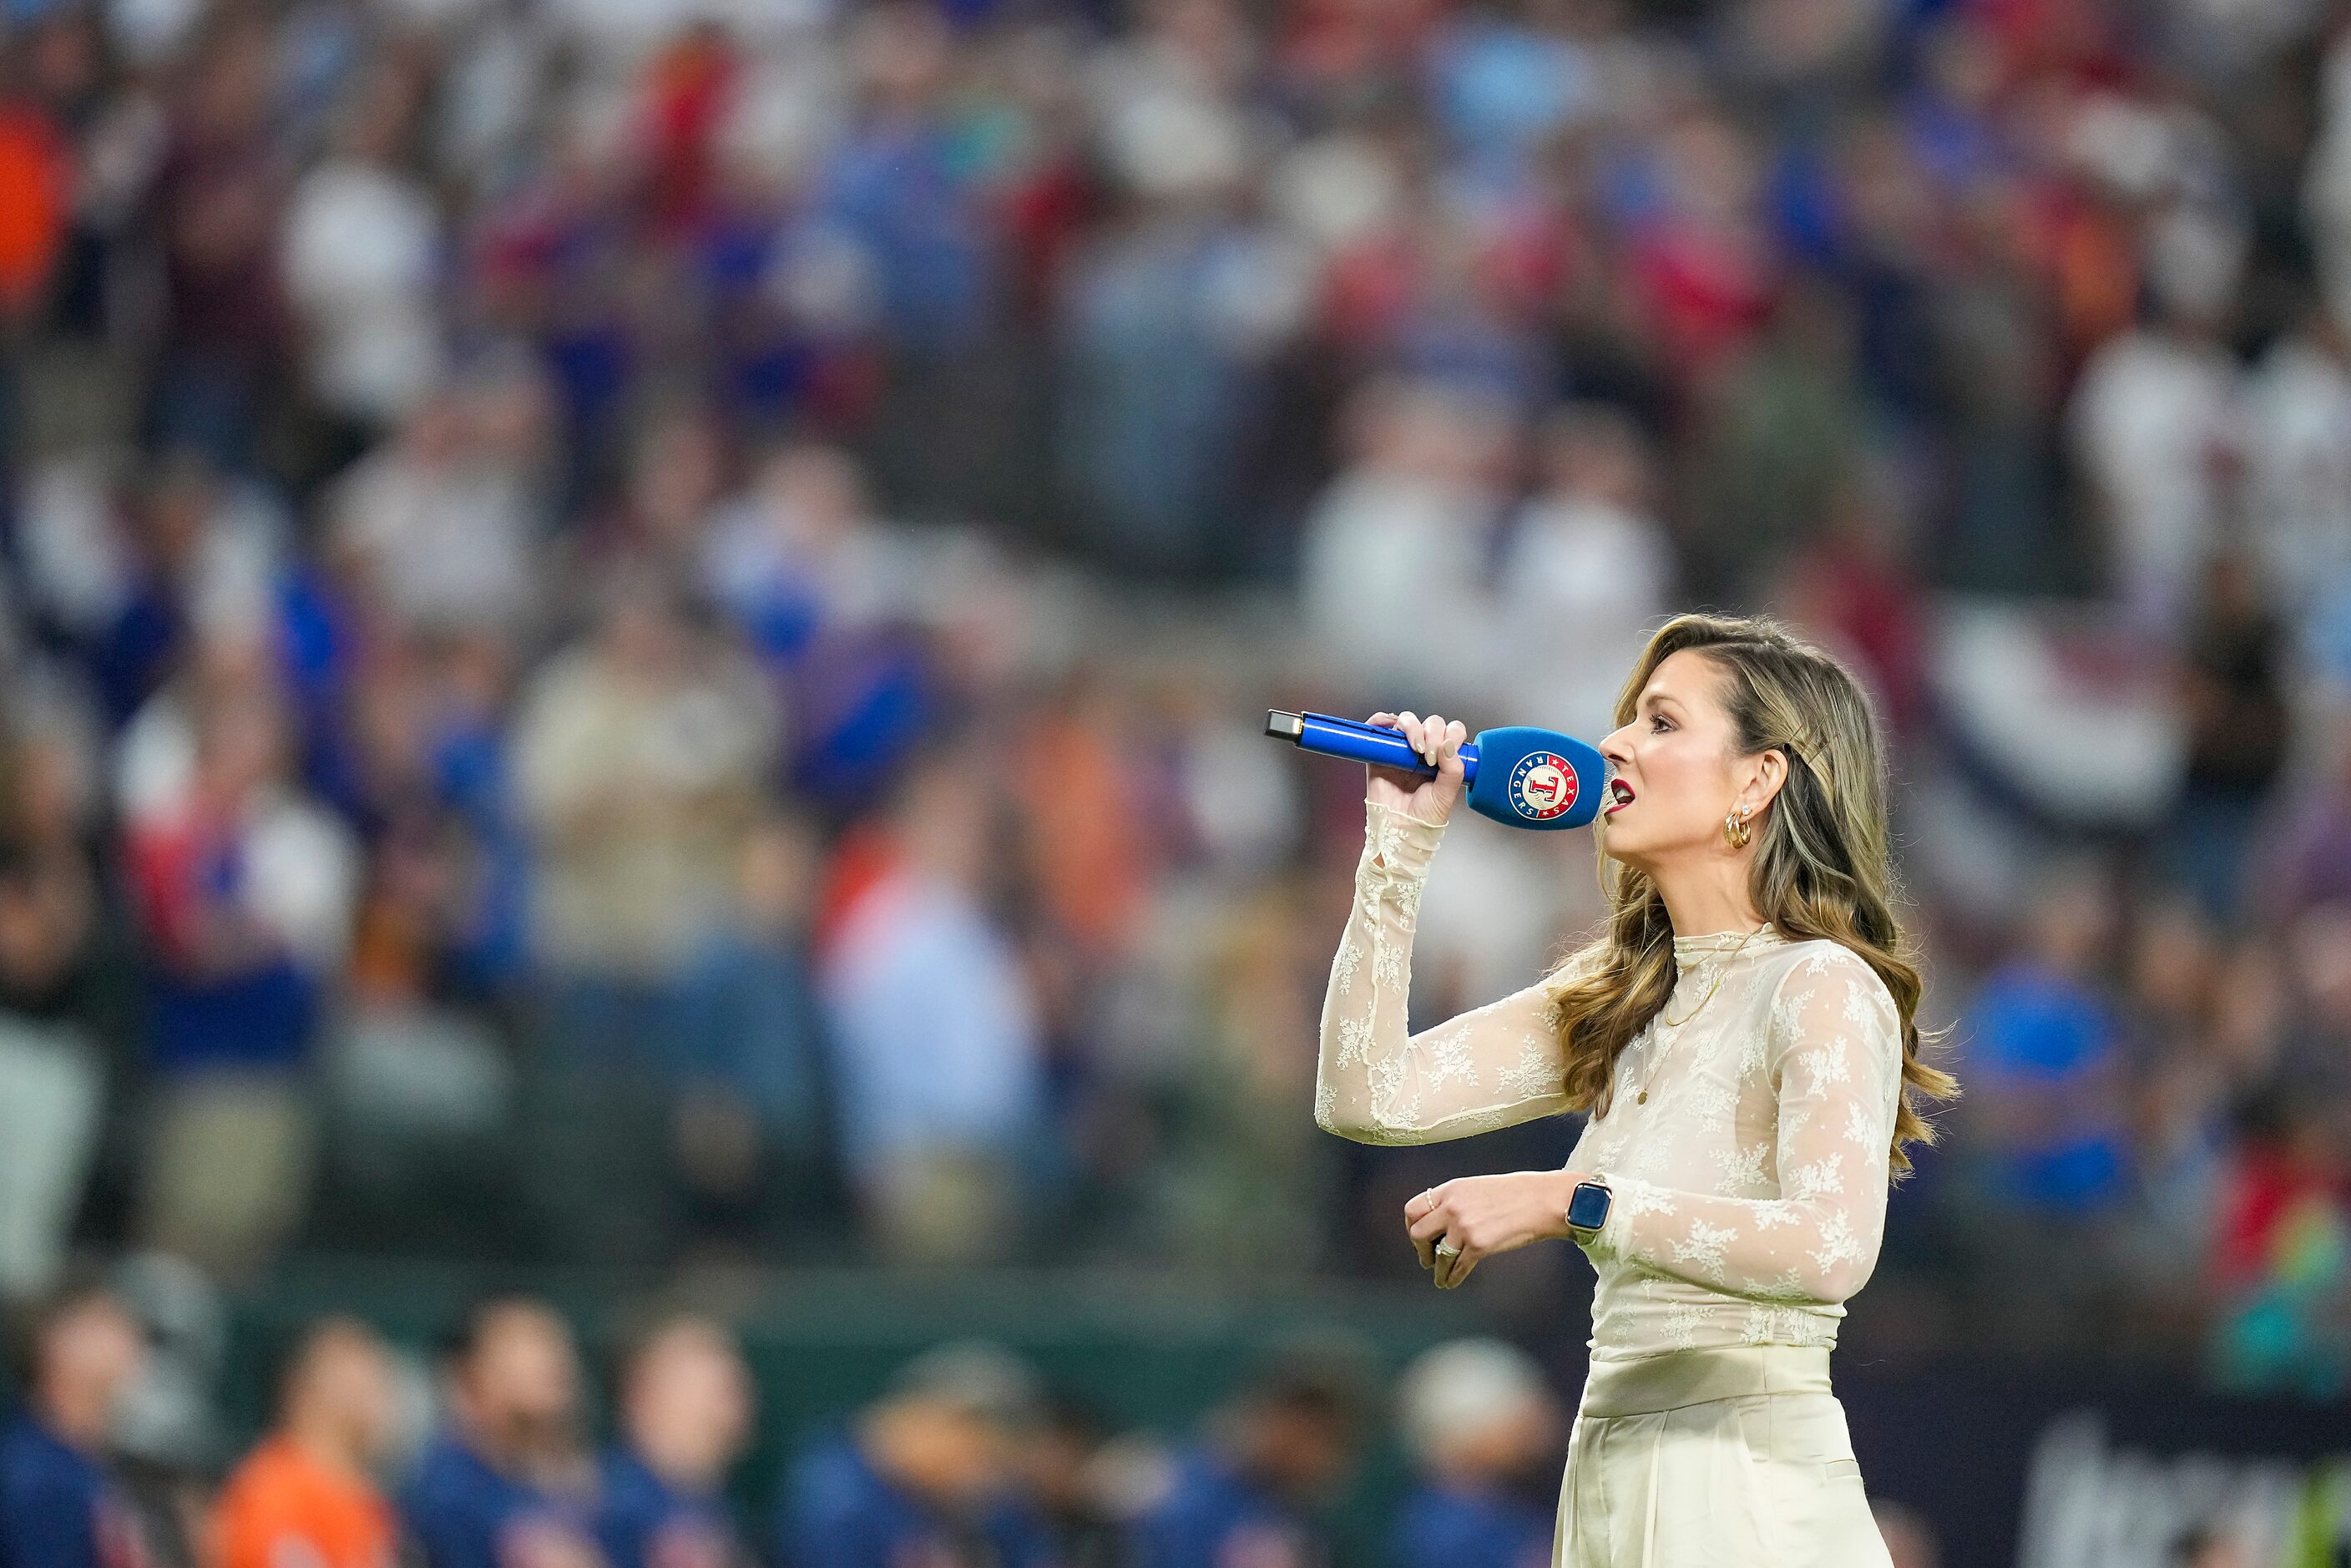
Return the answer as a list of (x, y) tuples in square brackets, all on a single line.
[(929, 1473), (2045, 1076), (217, 204), (245, 892), (829, 597), (1170, 317), (362, 242), (307, 1494), (754, 1124), (436, 527), (640, 758), (2043, 1043), (508, 1482), (1481, 1424), (60, 1505), (1393, 578), (684, 1414), (51, 1073), (2308, 862), (2297, 487), (2155, 423), (1780, 433), (2240, 731), (1070, 1472), (2182, 1085), (1244, 1190), (933, 1020), (2283, 1242), (1585, 574), (1274, 1456)]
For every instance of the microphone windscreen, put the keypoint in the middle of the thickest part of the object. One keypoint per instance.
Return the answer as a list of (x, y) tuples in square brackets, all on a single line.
[(1537, 778)]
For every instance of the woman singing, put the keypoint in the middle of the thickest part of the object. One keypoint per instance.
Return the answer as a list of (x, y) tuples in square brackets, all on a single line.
[(1743, 1038)]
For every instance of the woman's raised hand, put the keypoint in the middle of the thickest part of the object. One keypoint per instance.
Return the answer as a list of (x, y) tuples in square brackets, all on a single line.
[(1415, 794)]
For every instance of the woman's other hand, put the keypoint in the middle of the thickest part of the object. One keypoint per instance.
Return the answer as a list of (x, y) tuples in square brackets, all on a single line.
[(1482, 1216), (1415, 794)]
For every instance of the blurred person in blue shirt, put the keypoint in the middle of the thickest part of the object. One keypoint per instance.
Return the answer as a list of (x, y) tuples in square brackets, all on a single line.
[(937, 1047), (685, 1409), (2044, 1135), (926, 1478), (2044, 1106), (507, 1482), (60, 1506), (1479, 1423), (1272, 1456)]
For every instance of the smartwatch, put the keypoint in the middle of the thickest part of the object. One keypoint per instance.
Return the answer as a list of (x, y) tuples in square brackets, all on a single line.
[(1587, 1208)]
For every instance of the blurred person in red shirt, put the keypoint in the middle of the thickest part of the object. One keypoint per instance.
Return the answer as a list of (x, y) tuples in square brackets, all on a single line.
[(306, 1495), (2285, 1242)]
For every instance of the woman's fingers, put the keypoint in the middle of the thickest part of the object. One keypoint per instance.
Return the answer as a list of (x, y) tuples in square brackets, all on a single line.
[(1433, 739), (1416, 1209), (1428, 1228), (1460, 1269)]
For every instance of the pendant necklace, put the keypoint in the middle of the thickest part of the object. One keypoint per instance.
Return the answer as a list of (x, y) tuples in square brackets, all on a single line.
[(1675, 1024)]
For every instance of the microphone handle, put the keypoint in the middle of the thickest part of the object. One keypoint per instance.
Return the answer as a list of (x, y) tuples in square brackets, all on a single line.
[(1330, 736)]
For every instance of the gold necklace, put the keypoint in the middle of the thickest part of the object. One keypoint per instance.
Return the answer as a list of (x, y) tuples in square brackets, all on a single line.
[(1675, 1024)]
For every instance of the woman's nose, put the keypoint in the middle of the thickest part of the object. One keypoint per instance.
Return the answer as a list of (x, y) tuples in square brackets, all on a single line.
[(1612, 746)]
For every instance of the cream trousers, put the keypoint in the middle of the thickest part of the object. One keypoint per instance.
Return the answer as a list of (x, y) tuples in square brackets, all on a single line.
[(1733, 1458)]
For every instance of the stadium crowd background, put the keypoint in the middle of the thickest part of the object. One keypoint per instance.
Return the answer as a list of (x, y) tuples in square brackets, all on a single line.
[(633, 629)]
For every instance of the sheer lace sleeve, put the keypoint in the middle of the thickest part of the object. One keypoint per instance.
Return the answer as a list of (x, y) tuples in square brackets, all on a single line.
[(1834, 1056), (1493, 1067)]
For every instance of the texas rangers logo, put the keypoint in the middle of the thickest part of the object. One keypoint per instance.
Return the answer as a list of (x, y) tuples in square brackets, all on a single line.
[(1542, 786)]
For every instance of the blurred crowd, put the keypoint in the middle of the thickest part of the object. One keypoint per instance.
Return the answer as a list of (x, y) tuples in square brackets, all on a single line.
[(634, 628), (966, 1458)]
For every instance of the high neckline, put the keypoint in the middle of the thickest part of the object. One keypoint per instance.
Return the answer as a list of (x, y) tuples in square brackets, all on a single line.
[(1690, 950)]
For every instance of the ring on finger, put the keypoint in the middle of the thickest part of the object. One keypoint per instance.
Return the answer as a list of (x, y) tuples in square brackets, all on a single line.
[(1447, 1249)]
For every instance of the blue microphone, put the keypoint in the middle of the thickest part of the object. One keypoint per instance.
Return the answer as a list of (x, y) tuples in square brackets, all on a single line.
[(1521, 777)]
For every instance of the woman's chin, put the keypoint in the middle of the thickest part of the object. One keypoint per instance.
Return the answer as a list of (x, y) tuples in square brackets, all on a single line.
[(1620, 847)]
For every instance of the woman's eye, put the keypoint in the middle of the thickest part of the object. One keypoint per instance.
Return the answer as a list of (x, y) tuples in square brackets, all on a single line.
[(1658, 721)]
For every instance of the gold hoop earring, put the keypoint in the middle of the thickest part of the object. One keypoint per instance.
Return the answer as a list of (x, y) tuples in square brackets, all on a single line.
[(1736, 830)]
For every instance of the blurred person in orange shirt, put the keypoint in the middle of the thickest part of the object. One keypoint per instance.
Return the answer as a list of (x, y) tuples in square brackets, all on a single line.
[(306, 1494)]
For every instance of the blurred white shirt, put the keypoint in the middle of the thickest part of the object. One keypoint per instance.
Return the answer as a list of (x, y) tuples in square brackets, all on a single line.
[(1392, 587), (361, 251), (2298, 470), (2153, 415), (1583, 582), (446, 541)]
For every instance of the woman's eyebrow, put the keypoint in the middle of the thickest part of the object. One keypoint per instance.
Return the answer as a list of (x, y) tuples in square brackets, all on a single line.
[(1653, 699)]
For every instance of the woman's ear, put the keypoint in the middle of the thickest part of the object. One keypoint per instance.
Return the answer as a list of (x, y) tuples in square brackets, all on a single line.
[(1768, 772)]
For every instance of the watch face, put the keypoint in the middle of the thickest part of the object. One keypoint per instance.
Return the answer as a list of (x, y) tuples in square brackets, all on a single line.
[(1587, 1206)]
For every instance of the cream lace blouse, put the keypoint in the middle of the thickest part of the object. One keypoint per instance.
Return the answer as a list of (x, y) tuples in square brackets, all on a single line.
[(1747, 1139)]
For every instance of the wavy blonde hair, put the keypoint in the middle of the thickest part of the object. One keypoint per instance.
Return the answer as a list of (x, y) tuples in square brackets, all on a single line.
[(1822, 865)]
